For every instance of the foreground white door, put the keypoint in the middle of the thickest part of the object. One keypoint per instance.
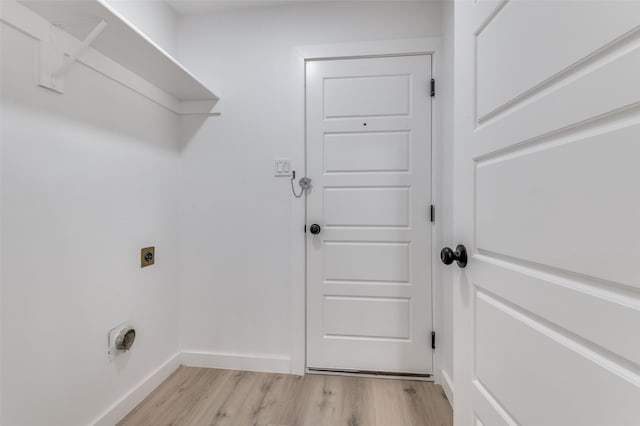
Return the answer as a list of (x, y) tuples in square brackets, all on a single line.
[(369, 268), (547, 150)]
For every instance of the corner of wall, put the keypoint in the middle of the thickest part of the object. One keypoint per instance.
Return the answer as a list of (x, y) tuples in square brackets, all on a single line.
[(447, 385), (156, 19), (135, 396)]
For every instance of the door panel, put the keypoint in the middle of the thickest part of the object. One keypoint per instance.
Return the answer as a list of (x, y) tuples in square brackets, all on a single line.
[(595, 313), (547, 125), (508, 69), (543, 118), (574, 176), (567, 377), (367, 96), (368, 271), (370, 206), (366, 152), (366, 261), (384, 318)]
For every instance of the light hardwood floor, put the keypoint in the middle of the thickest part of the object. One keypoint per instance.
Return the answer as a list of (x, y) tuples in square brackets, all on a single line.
[(203, 396)]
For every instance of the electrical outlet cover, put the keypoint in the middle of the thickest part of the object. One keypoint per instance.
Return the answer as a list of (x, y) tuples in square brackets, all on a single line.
[(147, 256), (282, 167)]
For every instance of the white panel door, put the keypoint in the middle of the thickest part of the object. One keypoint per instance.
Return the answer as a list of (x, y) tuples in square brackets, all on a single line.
[(369, 269), (547, 202)]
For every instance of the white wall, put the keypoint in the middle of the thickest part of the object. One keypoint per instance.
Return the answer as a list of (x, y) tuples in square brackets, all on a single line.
[(235, 229), (154, 18), (88, 178), (91, 176), (445, 332)]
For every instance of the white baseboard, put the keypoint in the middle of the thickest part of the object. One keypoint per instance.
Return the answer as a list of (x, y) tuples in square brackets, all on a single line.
[(128, 402), (269, 364), (124, 405), (447, 386)]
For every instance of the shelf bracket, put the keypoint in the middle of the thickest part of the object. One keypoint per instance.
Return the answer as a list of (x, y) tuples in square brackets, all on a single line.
[(82, 47), (55, 61)]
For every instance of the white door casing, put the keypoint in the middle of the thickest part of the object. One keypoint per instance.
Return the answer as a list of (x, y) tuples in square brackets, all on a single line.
[(547, 201), (369, 270)]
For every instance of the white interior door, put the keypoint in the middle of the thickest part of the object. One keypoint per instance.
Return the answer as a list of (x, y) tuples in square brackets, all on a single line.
[(547, 201), (369, 269)]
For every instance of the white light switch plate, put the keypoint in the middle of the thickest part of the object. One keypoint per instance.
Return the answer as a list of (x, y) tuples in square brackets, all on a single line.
[(282, 167)]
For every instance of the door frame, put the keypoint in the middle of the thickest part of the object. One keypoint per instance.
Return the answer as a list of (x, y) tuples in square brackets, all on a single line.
[(302, 54)]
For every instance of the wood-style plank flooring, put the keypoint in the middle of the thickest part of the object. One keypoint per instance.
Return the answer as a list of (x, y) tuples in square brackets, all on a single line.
[(204, 396)]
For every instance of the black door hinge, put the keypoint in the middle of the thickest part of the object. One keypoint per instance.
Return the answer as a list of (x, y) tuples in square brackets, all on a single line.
[(433, 87), (432, 213), (433, 340)]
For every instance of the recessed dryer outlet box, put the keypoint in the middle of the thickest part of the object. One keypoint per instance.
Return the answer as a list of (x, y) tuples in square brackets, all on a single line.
[(120, 339)]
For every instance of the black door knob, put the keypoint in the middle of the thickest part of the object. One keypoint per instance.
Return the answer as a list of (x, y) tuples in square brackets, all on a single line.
[(460, 256), (315, 229)]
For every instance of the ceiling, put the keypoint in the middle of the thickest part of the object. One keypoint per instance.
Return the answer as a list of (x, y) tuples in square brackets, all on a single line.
[(193, 7)]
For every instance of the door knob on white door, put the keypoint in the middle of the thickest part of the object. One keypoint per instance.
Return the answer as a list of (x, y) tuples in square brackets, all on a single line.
[(460, 256), (315, 229)]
